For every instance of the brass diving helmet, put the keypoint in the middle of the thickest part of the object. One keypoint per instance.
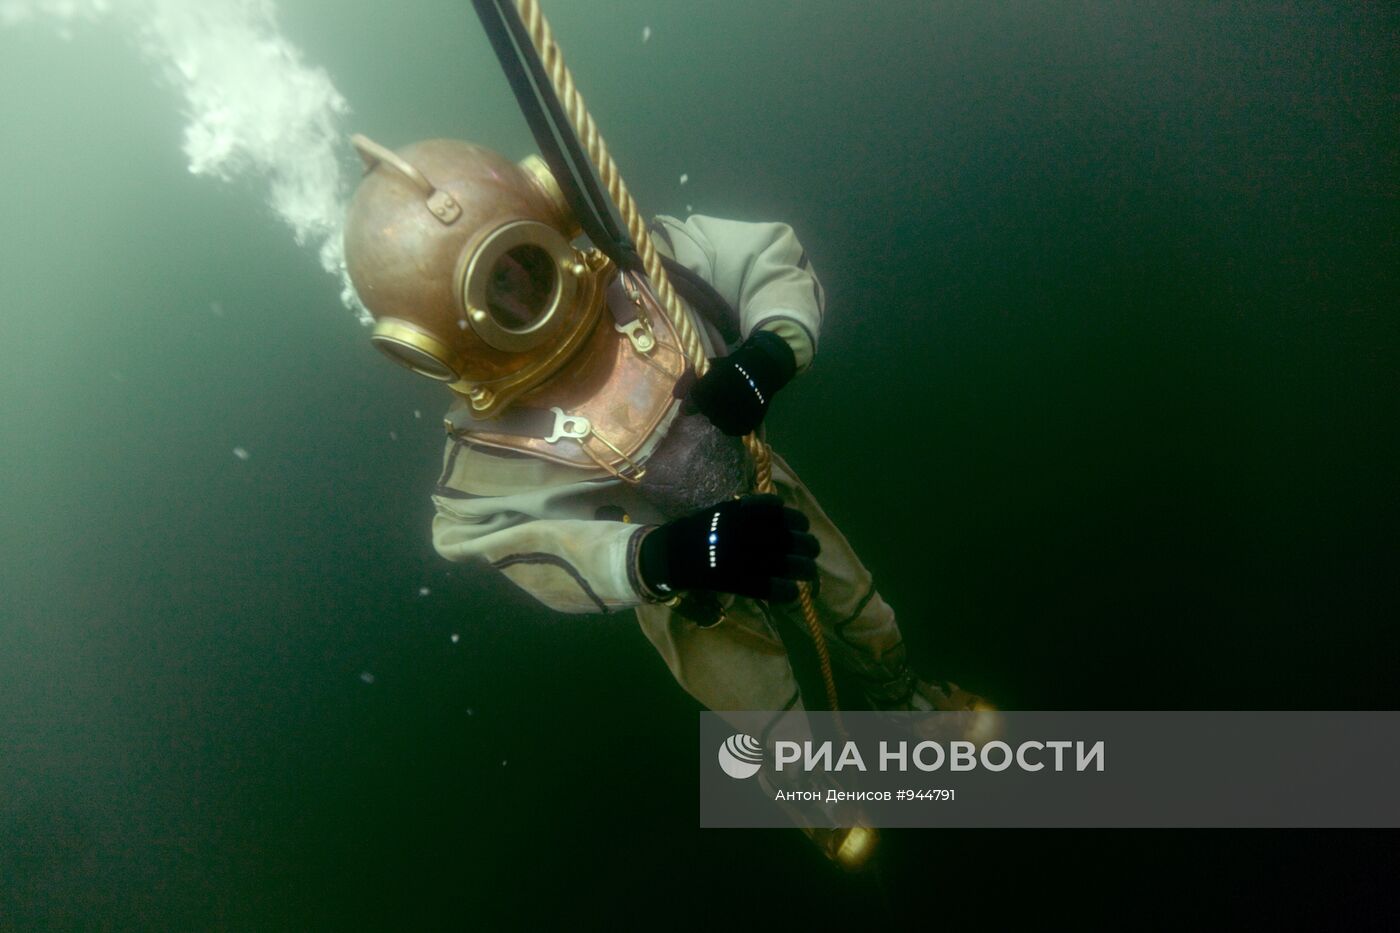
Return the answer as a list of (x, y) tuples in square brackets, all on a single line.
[(464, 259)]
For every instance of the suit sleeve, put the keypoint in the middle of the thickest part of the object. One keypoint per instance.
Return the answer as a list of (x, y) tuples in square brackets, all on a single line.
[(532, 522), (759, 268)]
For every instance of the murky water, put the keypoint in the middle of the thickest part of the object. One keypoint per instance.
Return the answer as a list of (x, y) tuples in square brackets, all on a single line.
[(1106, 399)]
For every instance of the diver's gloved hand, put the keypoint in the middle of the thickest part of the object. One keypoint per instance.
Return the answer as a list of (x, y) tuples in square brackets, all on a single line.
[(736, 390), (754, 546)]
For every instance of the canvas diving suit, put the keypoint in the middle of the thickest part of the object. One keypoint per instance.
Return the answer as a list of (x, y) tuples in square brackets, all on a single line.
[(569, 536)]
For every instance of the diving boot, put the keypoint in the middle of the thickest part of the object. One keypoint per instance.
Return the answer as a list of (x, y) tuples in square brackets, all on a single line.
[(982, 722), (851, 847), (907, 693)]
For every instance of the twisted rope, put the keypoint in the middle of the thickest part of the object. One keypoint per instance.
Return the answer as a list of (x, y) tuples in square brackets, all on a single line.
[(592, 140)]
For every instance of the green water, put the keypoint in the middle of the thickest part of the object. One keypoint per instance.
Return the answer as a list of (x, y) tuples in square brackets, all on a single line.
[(1106, 399)]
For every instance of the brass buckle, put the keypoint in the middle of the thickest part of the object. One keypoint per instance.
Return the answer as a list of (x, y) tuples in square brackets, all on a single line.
[(572, 426), (579, 428), (639, 331)]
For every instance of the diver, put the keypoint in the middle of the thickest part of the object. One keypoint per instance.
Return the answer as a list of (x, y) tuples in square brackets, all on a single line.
[(584, 460)]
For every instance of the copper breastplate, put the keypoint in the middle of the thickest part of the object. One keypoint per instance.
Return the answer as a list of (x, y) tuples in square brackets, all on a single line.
[(608, 407)]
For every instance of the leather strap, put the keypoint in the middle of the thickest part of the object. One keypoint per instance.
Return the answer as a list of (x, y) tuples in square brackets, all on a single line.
[(515, 421)]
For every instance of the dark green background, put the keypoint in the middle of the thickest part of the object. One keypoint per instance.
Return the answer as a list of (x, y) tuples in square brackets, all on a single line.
[(1106, 399)]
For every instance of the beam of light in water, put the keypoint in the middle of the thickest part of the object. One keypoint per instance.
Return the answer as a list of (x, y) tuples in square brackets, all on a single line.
[(253, 108)]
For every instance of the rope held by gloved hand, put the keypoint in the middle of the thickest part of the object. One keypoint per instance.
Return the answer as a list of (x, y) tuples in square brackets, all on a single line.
[(543, 40)]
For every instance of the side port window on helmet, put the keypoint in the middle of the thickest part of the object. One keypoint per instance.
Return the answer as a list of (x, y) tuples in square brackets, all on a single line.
[(521, 287), (421, 362)]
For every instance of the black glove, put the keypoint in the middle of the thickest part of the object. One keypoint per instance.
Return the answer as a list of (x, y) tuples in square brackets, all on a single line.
[(734, 393), (754, 546)]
